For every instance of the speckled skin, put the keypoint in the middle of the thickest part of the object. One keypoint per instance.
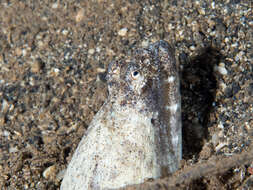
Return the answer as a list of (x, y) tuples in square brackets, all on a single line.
[(136, 135)]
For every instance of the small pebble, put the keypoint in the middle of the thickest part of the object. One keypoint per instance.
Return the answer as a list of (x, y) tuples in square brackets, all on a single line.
[(79, 15), (40, 44), (221, 69), (55, 5), (215, 139), (220, 146), (101, 70), (35, 67), (122, 32), (220, 126), (223, 86), (6, 133), (13, 149), (144, 44), (50, 172), (91, 51), (18, 51), (65, 32), (5, 106), (192, 48), (24, 52)]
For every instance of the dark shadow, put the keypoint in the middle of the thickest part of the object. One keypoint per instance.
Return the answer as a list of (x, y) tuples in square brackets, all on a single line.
[(198, 89)]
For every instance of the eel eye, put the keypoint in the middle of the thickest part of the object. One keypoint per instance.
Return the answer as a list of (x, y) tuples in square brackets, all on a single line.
[(135, 74)]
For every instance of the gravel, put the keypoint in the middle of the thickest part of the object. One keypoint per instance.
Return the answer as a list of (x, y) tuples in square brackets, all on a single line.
[(53, 61)]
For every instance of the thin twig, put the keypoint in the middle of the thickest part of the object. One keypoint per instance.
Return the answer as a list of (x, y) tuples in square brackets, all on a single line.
[(185, 176)]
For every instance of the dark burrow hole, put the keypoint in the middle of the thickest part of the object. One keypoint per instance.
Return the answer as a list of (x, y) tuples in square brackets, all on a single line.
[(198, 89), (26, 155), (66, 152)]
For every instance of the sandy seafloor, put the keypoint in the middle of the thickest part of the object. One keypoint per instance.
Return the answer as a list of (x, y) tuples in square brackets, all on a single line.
[(53, 61)]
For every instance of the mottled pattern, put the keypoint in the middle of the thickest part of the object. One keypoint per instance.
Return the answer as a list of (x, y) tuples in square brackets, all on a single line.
[(136, 135)]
